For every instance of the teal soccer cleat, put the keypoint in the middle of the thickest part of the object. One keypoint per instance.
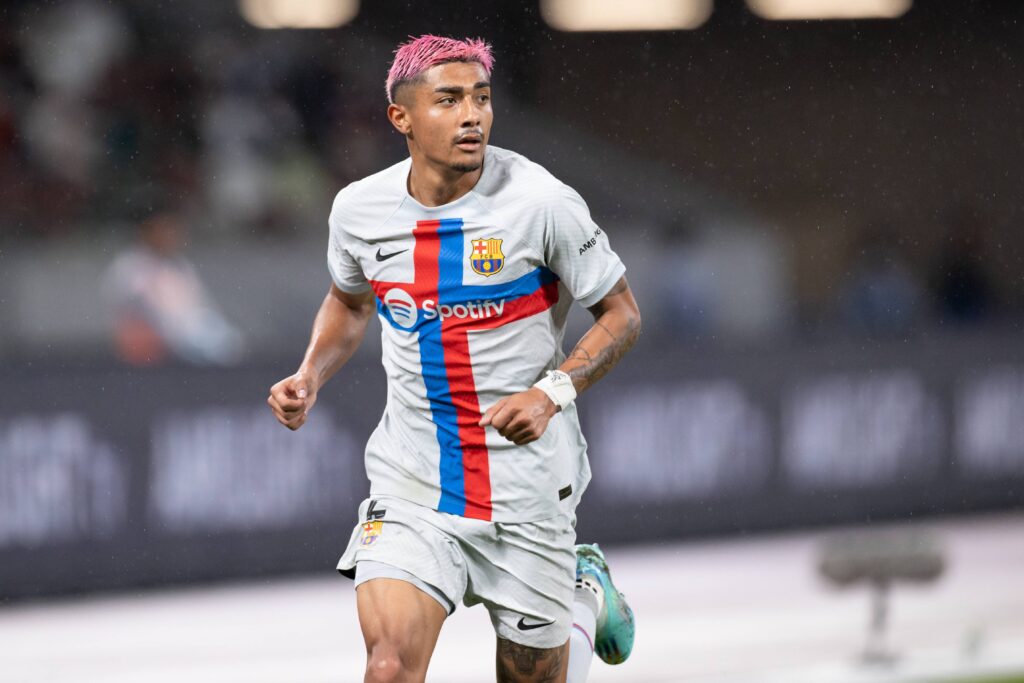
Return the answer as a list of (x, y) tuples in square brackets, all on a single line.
[(615, 624)]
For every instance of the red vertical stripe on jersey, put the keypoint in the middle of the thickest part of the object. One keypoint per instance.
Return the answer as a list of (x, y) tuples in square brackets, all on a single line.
[(476, 468), (425, 258)]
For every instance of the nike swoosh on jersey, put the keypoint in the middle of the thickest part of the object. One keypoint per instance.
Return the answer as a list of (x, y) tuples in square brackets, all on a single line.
[(385, 257), (523, 626)]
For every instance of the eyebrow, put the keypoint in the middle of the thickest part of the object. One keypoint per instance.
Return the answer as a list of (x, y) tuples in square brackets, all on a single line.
[(458, 90)]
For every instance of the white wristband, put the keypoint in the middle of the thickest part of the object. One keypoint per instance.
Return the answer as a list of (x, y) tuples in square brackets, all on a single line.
[(558, 387)]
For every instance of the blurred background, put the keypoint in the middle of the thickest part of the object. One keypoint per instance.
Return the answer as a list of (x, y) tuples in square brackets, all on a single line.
[(819, 206)]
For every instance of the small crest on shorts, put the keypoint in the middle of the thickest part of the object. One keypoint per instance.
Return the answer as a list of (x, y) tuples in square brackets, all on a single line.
[(486, 257), (371, 532)]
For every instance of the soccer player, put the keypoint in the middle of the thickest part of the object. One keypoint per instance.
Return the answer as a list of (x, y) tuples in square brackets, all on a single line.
[(471, 256)]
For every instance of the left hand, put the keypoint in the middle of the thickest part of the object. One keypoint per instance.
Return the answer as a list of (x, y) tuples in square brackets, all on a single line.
[(521, 418)]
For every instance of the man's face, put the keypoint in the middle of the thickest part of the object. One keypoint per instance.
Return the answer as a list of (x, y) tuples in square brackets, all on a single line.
[(446, 114)]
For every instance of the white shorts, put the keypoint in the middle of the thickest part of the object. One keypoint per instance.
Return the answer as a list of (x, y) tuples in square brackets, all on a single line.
[(525, 574)]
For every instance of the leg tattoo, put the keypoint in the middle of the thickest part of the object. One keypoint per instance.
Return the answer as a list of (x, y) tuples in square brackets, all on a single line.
[(522, 664)]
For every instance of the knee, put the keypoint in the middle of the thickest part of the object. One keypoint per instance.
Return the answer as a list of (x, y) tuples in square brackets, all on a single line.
[(384, 665)]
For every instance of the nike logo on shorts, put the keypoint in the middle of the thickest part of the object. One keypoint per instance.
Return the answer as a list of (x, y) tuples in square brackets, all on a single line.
[(385, 257), (523, 626)]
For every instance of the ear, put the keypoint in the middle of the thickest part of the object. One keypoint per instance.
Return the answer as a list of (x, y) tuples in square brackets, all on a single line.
[(399, 117)]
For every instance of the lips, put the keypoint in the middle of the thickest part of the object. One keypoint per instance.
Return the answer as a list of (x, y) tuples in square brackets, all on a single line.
[(469, 143)]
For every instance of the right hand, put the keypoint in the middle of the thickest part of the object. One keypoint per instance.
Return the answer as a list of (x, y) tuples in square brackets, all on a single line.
[(292, 398)]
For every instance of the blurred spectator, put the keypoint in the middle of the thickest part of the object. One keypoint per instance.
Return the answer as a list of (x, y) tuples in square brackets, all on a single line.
[(100, 108), (881, 294), (62, 139), (159, 308), (961, 282), (70, 46)]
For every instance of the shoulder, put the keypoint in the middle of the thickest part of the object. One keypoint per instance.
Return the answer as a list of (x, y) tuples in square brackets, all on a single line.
[(369, 201), (514, 177)]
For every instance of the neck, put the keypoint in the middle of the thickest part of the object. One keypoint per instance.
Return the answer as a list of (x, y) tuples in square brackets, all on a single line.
[(432, 184)]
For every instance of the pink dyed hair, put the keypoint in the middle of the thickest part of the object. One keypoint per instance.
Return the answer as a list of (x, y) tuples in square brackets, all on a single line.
[(419, 54)]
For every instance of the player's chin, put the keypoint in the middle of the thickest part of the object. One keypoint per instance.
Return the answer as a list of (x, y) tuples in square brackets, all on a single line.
[(463, 167), (467, 162)]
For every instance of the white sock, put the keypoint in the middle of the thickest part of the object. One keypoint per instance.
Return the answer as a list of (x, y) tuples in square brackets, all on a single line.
[(585, 608), (590, 584)]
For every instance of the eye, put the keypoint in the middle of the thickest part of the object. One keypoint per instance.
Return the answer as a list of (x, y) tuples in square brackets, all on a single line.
[(485, 98), (447, 100)]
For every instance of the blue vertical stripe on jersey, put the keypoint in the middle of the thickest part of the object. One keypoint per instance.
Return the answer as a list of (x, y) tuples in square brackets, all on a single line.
[(443, 415), (450, 261), (453, 485)]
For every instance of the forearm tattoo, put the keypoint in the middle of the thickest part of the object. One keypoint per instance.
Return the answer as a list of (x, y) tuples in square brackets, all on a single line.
[(603, 345), (522, 664)]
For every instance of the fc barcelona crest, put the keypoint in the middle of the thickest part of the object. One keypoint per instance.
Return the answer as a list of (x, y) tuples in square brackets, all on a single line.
[(371, 532), (486, 257)]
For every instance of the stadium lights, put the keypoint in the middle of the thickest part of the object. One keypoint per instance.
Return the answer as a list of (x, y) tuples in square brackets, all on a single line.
[(829, 9), (298, 13), (618, 15)]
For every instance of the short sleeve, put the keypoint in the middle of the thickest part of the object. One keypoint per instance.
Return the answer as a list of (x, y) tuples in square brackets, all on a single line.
[(344, 267), (577, 250)]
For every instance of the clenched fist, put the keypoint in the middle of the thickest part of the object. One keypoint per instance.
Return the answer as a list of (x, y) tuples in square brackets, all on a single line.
[(292, 398), (521, 418)]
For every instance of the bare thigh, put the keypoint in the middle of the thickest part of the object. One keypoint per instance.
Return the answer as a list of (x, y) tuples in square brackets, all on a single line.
[(522, 664), (400, 626)]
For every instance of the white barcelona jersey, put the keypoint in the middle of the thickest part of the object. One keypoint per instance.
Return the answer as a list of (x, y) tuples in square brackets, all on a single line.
[(473, 297)]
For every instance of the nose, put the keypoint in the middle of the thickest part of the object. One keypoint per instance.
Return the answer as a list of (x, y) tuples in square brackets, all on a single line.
[(470, 113)]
